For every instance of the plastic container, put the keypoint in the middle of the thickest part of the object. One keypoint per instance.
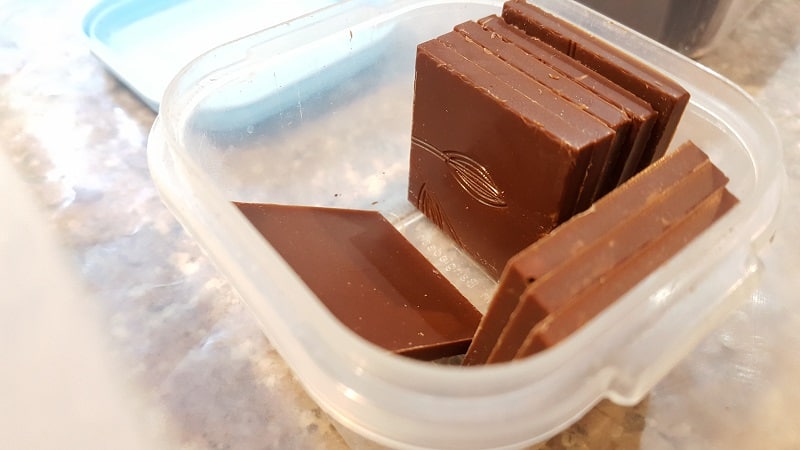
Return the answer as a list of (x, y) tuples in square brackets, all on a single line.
[(692, 27), (226, 132)]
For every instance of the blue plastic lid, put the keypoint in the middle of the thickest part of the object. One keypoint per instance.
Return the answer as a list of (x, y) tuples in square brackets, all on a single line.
[(145, 43)]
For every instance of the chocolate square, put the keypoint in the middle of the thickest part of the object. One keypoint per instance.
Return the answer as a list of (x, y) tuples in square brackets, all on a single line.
[(625, 164), (489, 166), (662, 93), (592, 228), (590, 302), (370, 277), (585, 101), (590, 266)]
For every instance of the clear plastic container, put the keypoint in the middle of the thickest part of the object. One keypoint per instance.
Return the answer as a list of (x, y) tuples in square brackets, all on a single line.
[(692, 27), (317, 112)]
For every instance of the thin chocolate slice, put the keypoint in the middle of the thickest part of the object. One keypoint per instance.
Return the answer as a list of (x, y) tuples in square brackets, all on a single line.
[(551, 292), (490, 167), (584, 100), (641, 114), (370, 277), (664, 95), (590, 302), (571, 238), (536, 87)]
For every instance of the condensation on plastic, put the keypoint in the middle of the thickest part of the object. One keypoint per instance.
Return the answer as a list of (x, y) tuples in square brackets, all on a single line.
[(221, 137)]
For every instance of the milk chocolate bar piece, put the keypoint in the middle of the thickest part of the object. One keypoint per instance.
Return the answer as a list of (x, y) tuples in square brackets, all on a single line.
[(551, 292), (489, 166), (664, 95), (571, 238), (624, 165), (370, 277), (544, 81), (590, 302), (539, 92)]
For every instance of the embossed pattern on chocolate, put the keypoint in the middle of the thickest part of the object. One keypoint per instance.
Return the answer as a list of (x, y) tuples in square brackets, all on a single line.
[(470, 174)]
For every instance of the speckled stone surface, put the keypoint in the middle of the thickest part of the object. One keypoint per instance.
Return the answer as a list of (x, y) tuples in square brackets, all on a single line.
[(78, 137)]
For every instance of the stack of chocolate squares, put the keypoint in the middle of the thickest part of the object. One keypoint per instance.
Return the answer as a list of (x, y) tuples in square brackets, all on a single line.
[(540, 150), (522, 121), (565, 279)]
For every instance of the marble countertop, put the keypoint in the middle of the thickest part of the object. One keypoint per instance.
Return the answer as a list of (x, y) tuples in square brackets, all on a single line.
[(185, 360)]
